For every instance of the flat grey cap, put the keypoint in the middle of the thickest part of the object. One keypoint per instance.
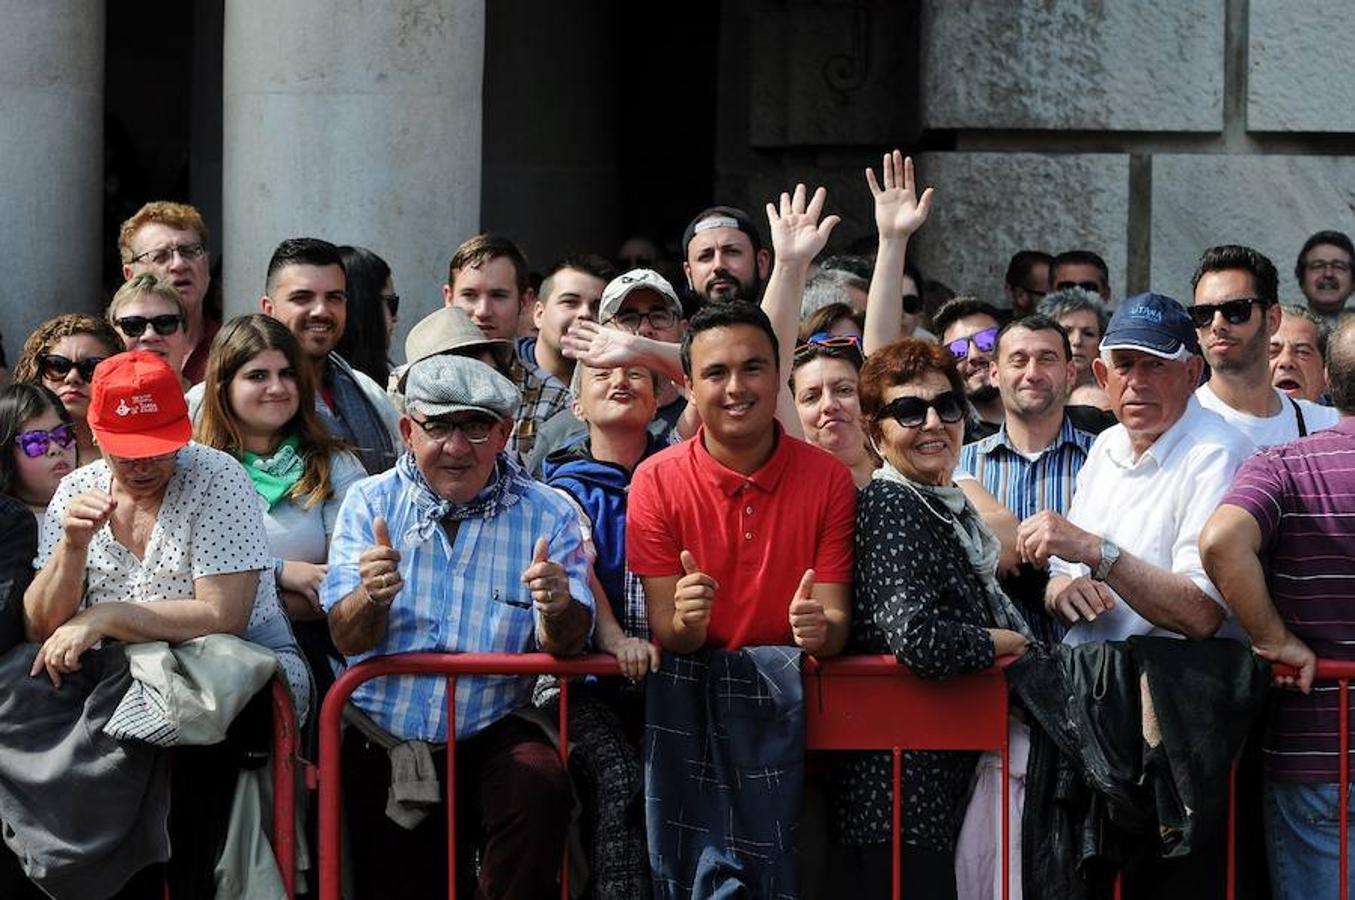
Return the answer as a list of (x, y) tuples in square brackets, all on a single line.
[(442, 385)]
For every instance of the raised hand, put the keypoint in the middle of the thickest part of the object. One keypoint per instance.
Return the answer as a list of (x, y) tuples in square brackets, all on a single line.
[(808, 624), (898, 210), (87, 513), (797, 233), (599, 346), (379, 567), (547, 581), (695, 594)]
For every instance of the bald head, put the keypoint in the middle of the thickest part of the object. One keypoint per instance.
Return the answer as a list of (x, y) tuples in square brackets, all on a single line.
[(1341, 365)]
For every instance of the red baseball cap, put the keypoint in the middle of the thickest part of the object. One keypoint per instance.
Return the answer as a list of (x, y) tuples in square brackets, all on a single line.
[(136, 406)]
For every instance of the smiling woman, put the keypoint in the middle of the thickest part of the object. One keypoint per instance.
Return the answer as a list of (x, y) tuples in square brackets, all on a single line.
[(61, 355), (259, 406), (927, 593)]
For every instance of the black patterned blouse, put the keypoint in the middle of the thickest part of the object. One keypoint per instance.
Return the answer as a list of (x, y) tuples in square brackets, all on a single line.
[(916, 596)]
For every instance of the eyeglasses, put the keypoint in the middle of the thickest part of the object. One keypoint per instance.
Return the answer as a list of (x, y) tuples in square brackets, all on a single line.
[(135, 326), (984, 341), (1093, 286), (161, 256), (392, 302), (911, 412), (440, 431), (830, 341), (37, 443), (912, 304), (1235, 312), (658, 319), (54, 367), (1338, 266)]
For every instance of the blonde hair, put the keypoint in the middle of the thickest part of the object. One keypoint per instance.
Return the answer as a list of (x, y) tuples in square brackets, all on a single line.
[(139, 285)]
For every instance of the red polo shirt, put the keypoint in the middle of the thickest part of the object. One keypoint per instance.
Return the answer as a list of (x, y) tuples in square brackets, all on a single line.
[(754, 534)]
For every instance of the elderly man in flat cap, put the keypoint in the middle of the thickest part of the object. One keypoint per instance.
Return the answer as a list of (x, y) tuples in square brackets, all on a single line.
[(455, 549)]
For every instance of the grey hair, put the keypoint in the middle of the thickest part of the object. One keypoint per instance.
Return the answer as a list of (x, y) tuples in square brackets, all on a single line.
[(1307, 315), (1058, 304), (830, 286)]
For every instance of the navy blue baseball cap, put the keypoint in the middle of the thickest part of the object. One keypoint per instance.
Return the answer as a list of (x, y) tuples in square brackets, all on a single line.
[(1152, 323)]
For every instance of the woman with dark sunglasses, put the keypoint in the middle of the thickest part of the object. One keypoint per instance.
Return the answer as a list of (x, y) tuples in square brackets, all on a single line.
[(149, 314), (927, 593), (61, 355), (37, 445)]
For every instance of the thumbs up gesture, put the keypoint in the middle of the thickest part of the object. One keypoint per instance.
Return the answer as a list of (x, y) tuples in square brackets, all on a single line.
[(694, 595), (808, 623), (547, 581), (379, 567)]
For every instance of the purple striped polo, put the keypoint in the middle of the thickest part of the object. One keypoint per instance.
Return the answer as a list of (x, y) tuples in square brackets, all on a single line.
[(1302, 495)]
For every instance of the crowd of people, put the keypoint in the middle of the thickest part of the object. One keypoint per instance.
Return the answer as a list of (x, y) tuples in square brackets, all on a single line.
[(785, 454)]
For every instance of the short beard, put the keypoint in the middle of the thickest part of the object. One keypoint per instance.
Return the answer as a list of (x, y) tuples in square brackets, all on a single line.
[(746, 291), (985, 394)]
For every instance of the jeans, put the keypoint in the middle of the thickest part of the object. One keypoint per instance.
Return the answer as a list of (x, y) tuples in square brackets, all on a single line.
[(1303, 839)]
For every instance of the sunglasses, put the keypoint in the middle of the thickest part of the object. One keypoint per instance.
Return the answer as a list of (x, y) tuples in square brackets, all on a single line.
[(37, 443), (135, 326), (911, 412), (984, 341), (912, 304), (1235, 312), (392, 302), (54, 367)]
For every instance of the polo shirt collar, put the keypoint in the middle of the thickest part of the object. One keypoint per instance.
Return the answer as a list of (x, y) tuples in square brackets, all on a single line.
[(1345, 424), (729, 482)]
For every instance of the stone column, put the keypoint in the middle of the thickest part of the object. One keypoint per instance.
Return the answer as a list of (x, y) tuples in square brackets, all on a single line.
[(356, 122), (51, 161)]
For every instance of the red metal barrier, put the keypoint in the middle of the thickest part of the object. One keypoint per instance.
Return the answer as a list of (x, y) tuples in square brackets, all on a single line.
[(843, 700), (285, 741)]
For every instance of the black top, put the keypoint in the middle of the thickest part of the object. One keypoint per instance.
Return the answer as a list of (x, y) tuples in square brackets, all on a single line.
[(918, 597), (18, 549)]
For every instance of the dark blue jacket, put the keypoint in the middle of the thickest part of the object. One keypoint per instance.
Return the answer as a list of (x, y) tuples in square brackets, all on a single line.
[(600, 488)]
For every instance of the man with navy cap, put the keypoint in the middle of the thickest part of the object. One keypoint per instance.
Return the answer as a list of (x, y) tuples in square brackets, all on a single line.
[(455, 549), (1126, 559)]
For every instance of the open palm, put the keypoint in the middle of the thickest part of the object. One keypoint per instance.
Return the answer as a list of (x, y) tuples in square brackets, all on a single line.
[(898, 210), (797, 233)]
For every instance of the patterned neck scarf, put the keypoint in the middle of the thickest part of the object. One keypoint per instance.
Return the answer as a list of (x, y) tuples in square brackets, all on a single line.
[(507, 485), (981, 546), (274, 476)]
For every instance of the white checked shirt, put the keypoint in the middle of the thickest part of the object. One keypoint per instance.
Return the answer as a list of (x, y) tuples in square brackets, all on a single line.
[(453, 599)]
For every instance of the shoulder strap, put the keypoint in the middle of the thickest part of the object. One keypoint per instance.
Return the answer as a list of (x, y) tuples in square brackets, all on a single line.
[(1298, 417)]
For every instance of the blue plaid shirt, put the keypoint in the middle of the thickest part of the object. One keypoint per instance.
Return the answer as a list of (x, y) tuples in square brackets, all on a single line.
[(456, 598), (1026, 487)]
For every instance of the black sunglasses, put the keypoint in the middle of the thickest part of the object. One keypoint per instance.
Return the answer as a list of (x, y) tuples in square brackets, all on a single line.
[(911, 412), (135, 326), (1235, 312), (392, 302), (54, 367), (912, 304)]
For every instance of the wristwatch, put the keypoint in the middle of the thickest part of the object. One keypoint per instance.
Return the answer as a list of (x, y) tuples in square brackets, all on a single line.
[(1109, 554)]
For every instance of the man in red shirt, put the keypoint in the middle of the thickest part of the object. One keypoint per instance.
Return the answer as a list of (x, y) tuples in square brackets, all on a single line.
[(742, 535)]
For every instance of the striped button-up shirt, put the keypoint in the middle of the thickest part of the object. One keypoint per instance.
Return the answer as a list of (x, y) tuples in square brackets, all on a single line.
[(462, 596), (1023, 486)]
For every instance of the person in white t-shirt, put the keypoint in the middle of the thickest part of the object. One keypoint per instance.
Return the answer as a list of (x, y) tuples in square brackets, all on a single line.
[(1126, 559), (1236, 312)]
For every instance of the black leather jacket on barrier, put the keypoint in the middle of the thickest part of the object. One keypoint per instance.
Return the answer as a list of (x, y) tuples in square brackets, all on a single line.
[(1113, 782)]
